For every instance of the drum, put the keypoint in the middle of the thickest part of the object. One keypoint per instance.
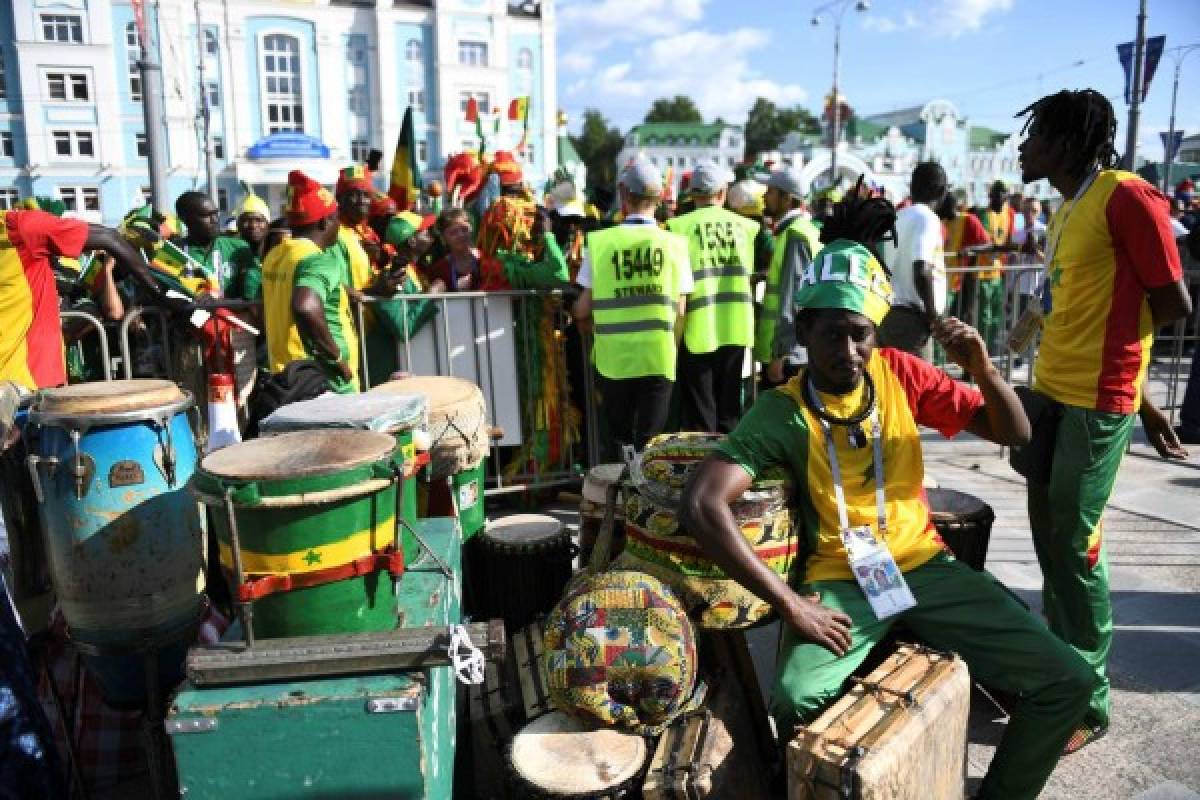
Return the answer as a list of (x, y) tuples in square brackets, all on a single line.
[(559, 756), (124, 539), (458, 445), (518, 567), (315, 514), (591, 510), (656, 544), (964, 522), (400, 415)]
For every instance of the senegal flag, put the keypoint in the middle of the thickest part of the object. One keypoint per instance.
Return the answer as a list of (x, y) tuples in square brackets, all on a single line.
[(518, 111), (174, 269), (406, 175)]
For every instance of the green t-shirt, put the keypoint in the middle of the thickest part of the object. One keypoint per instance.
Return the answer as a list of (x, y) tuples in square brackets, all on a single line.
[(324, 273), (240, 273)]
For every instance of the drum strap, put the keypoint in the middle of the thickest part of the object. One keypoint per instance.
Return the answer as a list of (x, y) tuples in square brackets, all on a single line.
[(257, 588)]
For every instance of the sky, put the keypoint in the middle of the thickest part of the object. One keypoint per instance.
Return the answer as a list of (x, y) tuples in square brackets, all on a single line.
[(990, 58)]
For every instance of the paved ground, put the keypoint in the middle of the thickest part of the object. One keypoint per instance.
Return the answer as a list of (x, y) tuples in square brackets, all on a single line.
[(1152, 751)]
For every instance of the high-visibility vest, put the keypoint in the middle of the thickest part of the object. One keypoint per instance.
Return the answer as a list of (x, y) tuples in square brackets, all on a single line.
[(635, 272), (720, 309), (764, 329)]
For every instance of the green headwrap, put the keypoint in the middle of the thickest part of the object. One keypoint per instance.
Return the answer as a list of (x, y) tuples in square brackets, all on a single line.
[(845, 275)]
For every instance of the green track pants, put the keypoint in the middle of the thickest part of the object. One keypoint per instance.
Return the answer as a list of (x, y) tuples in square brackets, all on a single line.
[(991, 312), (1004, 646), (1065, 518)]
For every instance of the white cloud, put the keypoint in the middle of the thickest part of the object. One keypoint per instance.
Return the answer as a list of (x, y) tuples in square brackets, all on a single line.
[(577, 61), (942, 19), (609, 20)]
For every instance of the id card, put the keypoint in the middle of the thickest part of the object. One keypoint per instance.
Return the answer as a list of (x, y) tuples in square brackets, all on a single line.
[(876, 572), (1027, 327)]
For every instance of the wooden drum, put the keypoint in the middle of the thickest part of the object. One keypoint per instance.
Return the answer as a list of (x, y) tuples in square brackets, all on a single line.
[(560, 756), (519, 567)]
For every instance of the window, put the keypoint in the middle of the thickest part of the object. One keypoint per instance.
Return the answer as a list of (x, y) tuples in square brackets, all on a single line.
[(422, 151), (214, 95), (473, 54), (359, 149), (412, 50), (281, 79), (9, 199), (74, 143), (133, 53), (524, 58), (210, 42), (416, 99), (6, 144), (80, 198), (482, 99), (66, 28), (223, 200), (357, 101), (529, 151), (68, 87), (3, 80), (219, 148), (142, 145)]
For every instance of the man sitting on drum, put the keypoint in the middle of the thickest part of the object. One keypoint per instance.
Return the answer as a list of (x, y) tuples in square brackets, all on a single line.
[(846, 428)]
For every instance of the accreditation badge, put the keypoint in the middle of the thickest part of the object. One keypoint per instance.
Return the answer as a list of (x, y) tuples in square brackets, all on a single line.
[(1027, 327), (876, 572)]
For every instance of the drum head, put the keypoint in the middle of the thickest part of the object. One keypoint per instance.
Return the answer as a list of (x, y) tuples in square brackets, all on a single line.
[(524, 529), (301, 454), (563, 755), (108, 397), (599, 478), (441, 391)]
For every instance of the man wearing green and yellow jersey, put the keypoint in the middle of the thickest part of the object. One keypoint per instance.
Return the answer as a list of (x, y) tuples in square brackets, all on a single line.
[(846, 431), (997, 220), (635, 278), (720, 309), (796, 242), (304, 300)]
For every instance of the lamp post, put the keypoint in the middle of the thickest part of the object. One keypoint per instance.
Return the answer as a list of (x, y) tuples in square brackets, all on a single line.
[(835, 10), (1178, 54)]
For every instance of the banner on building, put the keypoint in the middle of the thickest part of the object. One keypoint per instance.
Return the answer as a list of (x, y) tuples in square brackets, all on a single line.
[(1153, 54)]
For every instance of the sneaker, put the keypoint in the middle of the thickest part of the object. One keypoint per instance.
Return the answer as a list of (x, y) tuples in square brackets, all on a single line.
[(1187, 435), (1083, 736)]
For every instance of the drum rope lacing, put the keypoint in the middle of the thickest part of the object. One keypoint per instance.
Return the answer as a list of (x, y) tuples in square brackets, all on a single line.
[(465, 657)]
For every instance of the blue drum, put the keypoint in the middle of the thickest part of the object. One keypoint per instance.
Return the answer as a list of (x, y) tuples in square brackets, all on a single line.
[(124, 540)]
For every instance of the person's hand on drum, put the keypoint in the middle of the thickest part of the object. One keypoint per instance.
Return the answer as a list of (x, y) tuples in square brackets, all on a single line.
[(819, 624), (963, 345)]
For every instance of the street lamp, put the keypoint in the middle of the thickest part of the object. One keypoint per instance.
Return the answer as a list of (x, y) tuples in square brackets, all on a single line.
[(1178, 54), (835, 10)]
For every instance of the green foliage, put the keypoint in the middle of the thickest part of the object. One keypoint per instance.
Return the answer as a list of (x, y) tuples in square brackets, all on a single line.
[(767, 125), (679, 108), (598, 144)]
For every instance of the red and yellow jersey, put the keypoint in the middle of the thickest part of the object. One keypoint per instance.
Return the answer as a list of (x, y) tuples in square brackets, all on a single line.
[(999, 227), (780, 430), (1115, 246), (31, 346), (962, 231)]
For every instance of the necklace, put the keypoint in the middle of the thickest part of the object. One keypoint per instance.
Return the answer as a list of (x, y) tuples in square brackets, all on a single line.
[(855, 433)]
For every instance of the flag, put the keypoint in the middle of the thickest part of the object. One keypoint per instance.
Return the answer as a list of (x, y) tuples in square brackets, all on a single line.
[(406, 175), (1153, 54), (473, 116), (1171, 144), (175, 269), (518, 109)]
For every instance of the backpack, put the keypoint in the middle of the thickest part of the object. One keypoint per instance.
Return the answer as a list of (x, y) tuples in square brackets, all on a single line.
[(299, 380)]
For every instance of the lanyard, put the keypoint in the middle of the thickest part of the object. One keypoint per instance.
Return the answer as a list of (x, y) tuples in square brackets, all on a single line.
[(836, 470), (1052, 242)]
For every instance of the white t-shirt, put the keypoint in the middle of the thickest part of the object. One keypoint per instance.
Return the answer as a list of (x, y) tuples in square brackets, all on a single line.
[(685, 283), (918, 238)]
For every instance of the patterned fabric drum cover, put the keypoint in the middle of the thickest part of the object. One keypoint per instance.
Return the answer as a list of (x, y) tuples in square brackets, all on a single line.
[(657, 545), (620, 649)]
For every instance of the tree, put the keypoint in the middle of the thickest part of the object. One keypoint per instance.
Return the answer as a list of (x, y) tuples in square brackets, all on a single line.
[(677, 109), (767, 125), (598, 144)]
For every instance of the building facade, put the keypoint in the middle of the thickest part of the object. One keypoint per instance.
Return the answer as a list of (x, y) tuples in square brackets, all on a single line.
[(313, 85), (676, 148)]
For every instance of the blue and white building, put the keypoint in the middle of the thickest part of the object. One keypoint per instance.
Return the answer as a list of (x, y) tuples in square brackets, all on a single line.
[(308, 84)]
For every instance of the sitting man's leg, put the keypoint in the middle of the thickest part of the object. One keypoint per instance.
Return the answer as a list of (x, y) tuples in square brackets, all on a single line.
[(1008, 648)]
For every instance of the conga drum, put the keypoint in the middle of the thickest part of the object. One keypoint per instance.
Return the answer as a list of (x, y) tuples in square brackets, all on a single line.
[(124, 540), (591, 510), (400, 415), (316, 521), (560, 756), (458, 445), (520, 565), (964, 522)]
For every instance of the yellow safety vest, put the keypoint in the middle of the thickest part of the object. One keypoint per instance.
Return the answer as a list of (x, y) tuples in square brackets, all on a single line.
[(720, 310), (764, 329), (635, 272)]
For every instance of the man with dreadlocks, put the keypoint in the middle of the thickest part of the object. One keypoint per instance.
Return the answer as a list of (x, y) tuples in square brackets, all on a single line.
[(1113, 278), (846, 431)]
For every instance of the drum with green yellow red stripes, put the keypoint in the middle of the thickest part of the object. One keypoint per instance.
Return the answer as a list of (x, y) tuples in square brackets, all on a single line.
[(316, 520)]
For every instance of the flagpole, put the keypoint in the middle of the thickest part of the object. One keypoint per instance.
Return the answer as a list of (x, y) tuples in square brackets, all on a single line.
[(1179, 54), (1135, 97)]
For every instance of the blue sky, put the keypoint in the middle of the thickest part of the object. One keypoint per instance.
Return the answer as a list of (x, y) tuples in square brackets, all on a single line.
[(989, 57)]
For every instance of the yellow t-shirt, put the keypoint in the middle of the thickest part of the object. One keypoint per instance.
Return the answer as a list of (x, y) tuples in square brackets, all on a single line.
[(278, 281)]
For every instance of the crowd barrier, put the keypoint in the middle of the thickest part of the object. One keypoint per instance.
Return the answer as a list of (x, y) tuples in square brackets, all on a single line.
[(96, 326)]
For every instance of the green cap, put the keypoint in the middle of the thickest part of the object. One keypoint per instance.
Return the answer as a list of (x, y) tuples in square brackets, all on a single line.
[(845, 275)]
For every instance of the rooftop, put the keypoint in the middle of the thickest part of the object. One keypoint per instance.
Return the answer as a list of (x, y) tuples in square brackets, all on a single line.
[(680, 133)]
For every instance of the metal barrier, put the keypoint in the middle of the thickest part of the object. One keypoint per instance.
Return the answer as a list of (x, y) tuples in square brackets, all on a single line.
[(482, 336), (127, 322), (96, 325)]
